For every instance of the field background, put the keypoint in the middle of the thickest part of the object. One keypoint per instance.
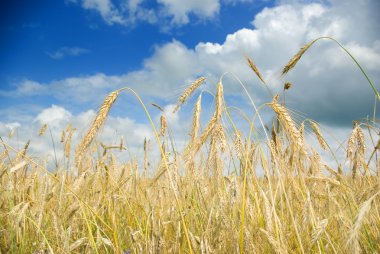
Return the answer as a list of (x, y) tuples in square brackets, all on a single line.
[(213, 126)]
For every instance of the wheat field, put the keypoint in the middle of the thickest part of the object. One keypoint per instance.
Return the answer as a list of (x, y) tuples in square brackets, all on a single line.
[(280, 196)]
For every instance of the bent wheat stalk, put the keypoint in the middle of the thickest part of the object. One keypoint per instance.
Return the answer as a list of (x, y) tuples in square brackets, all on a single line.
[(290, 65)]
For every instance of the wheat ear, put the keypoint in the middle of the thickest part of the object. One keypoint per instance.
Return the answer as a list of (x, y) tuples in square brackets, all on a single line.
[(319, 136), (365, 207), (163, 125), (43, 130), (68, 143), (287, 122), (196, 118), (97, 123), (188, 91), (255, 69), (219, 102), (188, 152), (290, 65), (351, 143), (287, 86)]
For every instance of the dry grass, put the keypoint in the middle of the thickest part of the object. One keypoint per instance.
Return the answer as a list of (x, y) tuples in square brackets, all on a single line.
[(280, 197)]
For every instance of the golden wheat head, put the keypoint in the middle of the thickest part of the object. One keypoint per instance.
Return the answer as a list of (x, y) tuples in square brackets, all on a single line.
[(96, 124), (188, 91), (290, 65), (255, 69)]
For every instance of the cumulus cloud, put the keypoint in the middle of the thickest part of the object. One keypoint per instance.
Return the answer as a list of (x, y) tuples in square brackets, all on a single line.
[(325, 80), (126, 12), (25, 88), (180, 10), (54, 116), (106, 9), (67, 51), (234, 2), (168, 12), (171, 65)]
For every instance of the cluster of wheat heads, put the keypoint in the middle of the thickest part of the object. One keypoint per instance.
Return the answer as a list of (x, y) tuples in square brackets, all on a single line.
[(190, 204)]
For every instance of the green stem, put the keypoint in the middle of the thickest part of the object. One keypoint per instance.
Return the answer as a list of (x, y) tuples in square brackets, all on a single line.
[(356, 62)]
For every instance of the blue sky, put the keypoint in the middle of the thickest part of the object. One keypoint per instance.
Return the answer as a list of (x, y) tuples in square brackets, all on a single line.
[(59, 59), (33, 33), (53, 40)]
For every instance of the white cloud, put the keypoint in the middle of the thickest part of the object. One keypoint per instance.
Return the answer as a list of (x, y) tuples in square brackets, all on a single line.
[(54, 116), (76, 90), (234, 2), (180, 10), (135, 12), (324, 80), (67, 51), (171, 65), (126, 13), (12, 125), (106, 9), (370, 56), (84, 89), (168, 12), (25, 88)]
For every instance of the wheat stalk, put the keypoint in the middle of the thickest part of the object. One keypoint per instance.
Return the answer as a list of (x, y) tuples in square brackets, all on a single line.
[(188, 153), (354, 232), (319, 230), (193, 147), (276, 245)]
